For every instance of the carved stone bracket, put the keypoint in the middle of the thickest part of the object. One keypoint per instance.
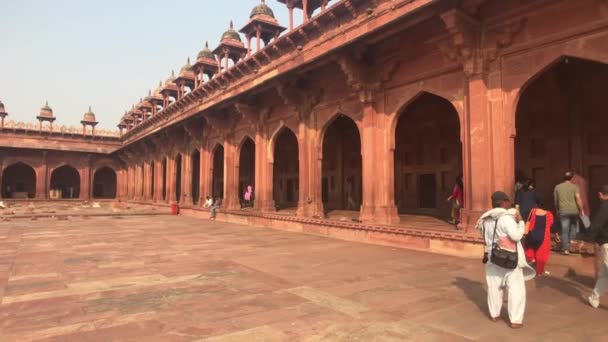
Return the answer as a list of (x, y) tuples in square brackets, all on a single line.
[(301, 96), (360, 76), (253, 115), (221, 121)]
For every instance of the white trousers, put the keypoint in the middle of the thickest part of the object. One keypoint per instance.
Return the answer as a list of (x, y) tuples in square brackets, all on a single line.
[(498, 278), (602, 277)]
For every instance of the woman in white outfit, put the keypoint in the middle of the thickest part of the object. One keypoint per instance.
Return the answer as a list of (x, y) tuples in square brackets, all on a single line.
[(510, 229)]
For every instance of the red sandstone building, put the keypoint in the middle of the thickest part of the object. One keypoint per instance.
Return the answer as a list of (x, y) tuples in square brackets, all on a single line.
[(385, 102)]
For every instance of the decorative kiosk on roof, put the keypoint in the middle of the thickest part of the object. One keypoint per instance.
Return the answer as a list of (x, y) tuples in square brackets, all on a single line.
[(205, 64), (186, 78), (3, 114), (231, 47), (307, 7), (46, 114), (89, 120), (155, 99), (169, 90), (262, 25), (145, 107)]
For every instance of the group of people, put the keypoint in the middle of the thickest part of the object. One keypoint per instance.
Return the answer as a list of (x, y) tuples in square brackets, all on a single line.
[(214, 204), (517, 238)]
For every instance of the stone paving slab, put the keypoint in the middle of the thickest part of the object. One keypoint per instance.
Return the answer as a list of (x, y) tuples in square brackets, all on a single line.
[(183, 279)]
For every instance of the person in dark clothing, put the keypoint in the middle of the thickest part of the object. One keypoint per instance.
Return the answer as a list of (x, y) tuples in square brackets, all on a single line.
[(598, 233), (527, 199)]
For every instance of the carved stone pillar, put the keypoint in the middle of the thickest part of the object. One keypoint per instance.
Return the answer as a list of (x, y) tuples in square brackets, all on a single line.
[(187, 180), (231, 187), (171, 180)]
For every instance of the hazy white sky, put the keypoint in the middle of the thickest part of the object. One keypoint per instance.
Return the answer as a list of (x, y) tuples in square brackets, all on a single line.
[(103, 53)]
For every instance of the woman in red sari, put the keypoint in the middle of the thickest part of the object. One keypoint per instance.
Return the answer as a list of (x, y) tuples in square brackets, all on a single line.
[(538, 240)]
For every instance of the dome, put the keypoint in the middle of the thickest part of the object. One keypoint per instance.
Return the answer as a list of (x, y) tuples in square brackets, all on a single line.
[(46, 111), (171, 78), (186, 68), (2, 107), (89, 116), (261, 9), (205, 52), (231, 34)]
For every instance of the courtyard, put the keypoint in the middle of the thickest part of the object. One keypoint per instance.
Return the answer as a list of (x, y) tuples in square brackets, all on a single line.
[(166, 278)]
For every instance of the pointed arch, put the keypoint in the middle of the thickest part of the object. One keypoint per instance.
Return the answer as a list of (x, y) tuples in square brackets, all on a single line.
[(104, 183), (217, 171), (66, 180), (19, 181), (427, 154), (246, 169), (342, 165), (286, 168)]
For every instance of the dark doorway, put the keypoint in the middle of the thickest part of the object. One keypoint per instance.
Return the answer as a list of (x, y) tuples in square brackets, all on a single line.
[(218, 172), (246, 170), (196, 176), (104, 183), (427, 190), (66, 179), (164, 179), (342, 163), (561, 125), (286, 170), (152, 178), (178, 178), (19, 181), (428, 156)]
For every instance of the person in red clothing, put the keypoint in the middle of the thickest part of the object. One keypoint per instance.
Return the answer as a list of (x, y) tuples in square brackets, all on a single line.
[(457, 199), (538, 240)]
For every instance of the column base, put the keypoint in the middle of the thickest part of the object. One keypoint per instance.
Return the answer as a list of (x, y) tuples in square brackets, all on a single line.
[(468, 219), (366, 213), (268, 206), (386, 215)]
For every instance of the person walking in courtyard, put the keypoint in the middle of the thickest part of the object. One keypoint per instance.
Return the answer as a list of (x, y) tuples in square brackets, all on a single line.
[(538, 239), (457, 200), (527, 198), (208, 202), (502, 228), (216, 205), (569, 206), (598, 233), (248, 196), (583, 189)]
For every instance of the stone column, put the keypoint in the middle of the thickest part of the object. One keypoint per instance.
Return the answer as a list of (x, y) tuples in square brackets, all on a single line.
[(171, 181), (305, 182), (42, 178), (187, 180), (85, 181), (204, 175), (386, 210), (231, 188), (488, 158), (368, 158), (263, 173), (158, 182), (1, 172)]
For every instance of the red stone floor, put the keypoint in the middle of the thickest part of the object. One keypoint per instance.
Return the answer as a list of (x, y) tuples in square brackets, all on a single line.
[(169, 278)]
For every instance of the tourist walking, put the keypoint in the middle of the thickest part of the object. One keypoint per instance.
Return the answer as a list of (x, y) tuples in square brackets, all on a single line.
[(569, 206), (457, 200), (583, 189), (598, 233), (248, 196), (502, 228), (208, 202), (538, 240), (216, 205), (527, 198)]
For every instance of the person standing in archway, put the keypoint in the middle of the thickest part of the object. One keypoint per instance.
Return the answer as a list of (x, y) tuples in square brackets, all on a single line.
[(248, 196), (598, 232), (457, 200), (350, 189), (583, 188), (569, 207)]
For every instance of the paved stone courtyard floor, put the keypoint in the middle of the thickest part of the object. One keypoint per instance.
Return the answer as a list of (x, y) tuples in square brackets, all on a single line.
[(169, 278)]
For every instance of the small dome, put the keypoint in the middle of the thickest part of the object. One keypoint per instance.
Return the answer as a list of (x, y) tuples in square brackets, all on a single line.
[(231, 34), (261, 9), (171, 78), (89, 116), (205, 52), (186, 68), (46, 111), (2, 110)]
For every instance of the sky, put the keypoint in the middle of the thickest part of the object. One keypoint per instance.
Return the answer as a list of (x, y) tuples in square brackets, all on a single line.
[(104, 53)]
